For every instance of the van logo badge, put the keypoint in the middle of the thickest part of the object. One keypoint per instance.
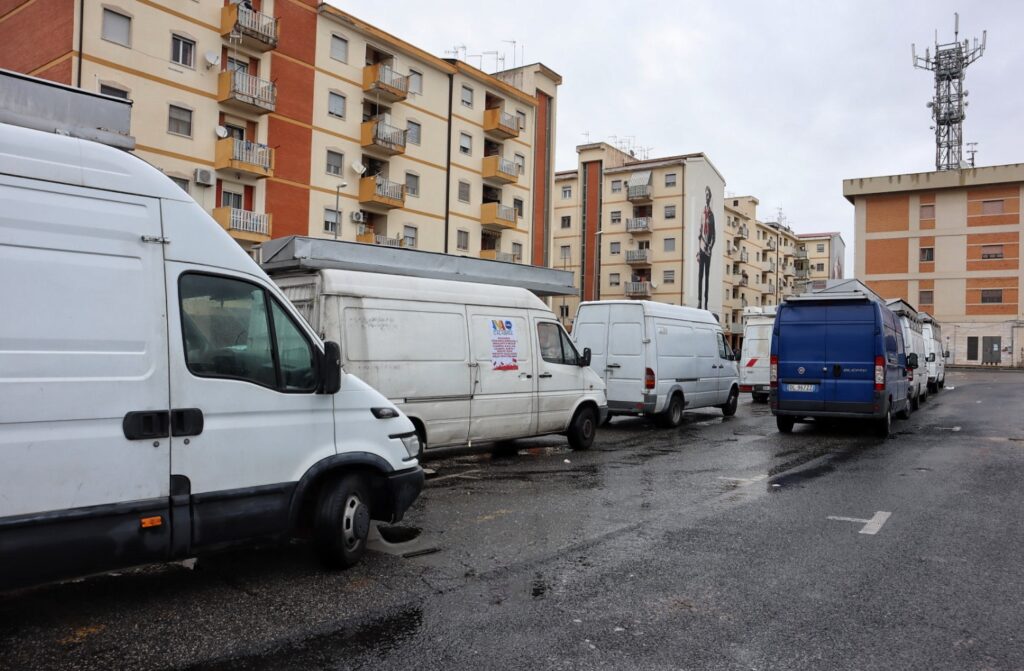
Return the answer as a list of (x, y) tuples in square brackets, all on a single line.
[(801, 370)]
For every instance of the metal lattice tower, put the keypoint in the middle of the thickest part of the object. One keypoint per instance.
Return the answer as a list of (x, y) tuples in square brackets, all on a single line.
[(949, 64)]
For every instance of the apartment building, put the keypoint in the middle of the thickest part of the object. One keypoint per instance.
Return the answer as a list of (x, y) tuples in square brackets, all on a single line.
[(292, 117), (825, 256), (950, 243), (639, 229)]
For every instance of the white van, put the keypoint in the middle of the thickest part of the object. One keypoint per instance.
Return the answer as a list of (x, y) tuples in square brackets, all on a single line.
[(159, 396), (658, 359), (467, 363), (935, 354), (913, 342), (756, 351)]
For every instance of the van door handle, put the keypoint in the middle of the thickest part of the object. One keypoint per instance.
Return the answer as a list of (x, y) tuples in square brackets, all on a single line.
[(613, 365), (186, 422), (525, 376), (544, 375), (146, 424)]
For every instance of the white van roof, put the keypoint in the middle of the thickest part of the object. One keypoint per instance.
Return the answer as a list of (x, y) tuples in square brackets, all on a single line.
[(400, 287), (657, 309), (50, 157)]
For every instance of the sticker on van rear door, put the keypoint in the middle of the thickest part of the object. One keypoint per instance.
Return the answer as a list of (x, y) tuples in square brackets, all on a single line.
[(504, 346)]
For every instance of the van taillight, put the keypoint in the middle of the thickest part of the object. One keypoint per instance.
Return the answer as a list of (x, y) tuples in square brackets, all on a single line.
[(879, 373), (649, 380), (773, 375)]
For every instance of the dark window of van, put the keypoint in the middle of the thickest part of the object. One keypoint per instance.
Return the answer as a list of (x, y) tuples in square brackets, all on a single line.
[(555, 346), (234, 329)]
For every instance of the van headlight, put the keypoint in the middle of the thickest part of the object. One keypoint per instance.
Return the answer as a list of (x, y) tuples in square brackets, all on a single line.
[(411, 442)]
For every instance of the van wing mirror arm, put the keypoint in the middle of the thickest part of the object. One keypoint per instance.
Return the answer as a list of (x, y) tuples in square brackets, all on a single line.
[(585, 357)]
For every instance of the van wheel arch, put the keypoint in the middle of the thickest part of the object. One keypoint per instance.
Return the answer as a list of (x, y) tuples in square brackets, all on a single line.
[(578, 437), (667, 417), (421, 433), (327, 472)]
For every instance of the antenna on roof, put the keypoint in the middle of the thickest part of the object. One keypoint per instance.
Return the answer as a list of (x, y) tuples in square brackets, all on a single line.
[(972, 149), (513, 43)]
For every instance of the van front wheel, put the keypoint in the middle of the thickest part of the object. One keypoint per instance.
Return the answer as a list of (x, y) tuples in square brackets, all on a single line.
[(729, 409), (785, 423), (342, 522), (582, 428)]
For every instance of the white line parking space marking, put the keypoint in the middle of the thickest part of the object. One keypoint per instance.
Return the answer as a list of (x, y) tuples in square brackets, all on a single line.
[(745, 481), (871, 526)]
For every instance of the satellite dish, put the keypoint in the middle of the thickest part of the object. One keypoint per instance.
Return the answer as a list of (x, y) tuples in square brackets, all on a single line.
[(212, 59), (359, 168), (221, 132)]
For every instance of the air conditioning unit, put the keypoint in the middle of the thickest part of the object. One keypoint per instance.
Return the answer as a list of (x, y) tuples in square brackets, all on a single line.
[(205, 177), (358, 216)]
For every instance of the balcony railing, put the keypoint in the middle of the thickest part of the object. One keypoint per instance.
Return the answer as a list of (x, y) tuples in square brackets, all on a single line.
[(378, 134), (251, 158), (641, 256), (496, 216), (501, 124), (744, 256), (387, 242), (638, 225), (243, 224), (638, 192), (258, 31), (801, 253), (249, 93), (381, 79), (740, 232), (495, 255), (638, 289), (744, 281), (380, 191), (500, 169)]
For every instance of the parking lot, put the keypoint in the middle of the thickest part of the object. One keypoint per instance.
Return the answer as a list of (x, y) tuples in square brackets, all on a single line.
[(721, 544)]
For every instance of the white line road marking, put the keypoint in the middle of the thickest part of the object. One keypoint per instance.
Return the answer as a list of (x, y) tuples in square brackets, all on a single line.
[(871, 526), (745, 481)]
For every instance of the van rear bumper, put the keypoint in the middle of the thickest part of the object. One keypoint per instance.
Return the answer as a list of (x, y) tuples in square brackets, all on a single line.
[(403, 488), (648, 406), (811, 409)]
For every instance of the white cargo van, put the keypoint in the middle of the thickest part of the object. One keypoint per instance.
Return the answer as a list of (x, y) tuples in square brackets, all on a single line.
[(913, 339), (658, 359), (467, 363), (756, 351), (934, 351), (159, 396)]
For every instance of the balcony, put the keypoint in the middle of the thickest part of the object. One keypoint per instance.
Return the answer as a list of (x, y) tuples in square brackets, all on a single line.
[(639, 257), (638, 289), (243, 224), (771, 245), (381, 80), (381, 193), (801, 253), (381, 136), (498, 169), (249, 158), (500, 124), (744, 280), (258, 31), (497, 217), (495, 255), (639, 193), (803, 273), (741, 232), (246, 93), (368, 236), (638, 225), (744, 257)]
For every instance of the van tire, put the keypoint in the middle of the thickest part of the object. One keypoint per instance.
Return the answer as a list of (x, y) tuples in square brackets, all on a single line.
[(342, 522), (672, 416), (883, 426), (907, 409), (915, 402), (582, 428), (784, 423), (729, 409)]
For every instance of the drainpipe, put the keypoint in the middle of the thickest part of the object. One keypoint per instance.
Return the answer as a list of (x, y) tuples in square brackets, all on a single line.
[(81, 32), (448, 163)]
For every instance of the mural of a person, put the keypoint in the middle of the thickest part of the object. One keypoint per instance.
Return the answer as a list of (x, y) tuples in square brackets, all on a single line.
[(705, 245)]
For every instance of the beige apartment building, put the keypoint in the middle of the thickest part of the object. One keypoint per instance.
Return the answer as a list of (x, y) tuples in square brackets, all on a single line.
[(639, 229), (950, 243), (292, 117), (825, 256)]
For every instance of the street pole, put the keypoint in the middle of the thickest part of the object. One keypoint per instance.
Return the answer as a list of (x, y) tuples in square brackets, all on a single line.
[(337, 210)]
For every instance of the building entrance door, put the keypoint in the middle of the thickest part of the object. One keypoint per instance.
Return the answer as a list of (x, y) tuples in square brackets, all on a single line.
[(990, 349)]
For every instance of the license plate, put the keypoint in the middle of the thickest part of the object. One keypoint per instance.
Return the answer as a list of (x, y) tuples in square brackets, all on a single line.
[(801, 387)]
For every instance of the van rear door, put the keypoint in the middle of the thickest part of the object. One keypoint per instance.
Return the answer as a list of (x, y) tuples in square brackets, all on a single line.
[(851, 336), (800, 344), (625, 365)]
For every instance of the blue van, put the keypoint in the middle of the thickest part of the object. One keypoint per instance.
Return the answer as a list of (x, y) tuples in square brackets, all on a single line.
[(838, 355)]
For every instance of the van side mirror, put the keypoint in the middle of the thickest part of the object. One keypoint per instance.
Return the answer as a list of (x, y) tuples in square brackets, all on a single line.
[(945, 355), (330, 368), (931, 357), (912, 361), (584, 359)]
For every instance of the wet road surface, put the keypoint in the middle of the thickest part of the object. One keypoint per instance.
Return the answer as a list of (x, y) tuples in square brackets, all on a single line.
[(709, 546)]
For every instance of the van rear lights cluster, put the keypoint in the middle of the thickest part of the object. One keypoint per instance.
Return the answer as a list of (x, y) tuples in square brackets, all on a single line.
[(879, 373), (746, 387), (384, 413), (773, 371), (649, 380)]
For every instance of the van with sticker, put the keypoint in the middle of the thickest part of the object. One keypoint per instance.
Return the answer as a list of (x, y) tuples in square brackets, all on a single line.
[(468, 363), (755, 351)]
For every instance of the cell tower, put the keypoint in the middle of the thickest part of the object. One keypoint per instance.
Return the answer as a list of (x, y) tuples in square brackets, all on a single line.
[(949, 64)]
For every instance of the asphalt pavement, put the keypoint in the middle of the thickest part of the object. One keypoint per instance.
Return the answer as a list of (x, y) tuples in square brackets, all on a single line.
[(718, 545)]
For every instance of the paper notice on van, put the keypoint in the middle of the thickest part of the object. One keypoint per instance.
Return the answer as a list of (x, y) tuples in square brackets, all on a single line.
[(504, 346)]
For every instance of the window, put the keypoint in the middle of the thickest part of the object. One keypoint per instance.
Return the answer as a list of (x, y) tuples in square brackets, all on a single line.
[(113, 91), (331, 220), (643, 244), (336, 104), (616, 185), (564, 311), (564, 251), (231, 199), (117, 27), (926, 297), (415, 81), (670, 179), (181, 182), (614, 279), (521, 117), (927, 253), (236, 65), (616, 217), (821, 248), (517, 251), (615, 248), (230, 333), (566, 192), (927, 212), (820, 267), (467, 96), (335, 162), (520, 162), (670, 244), (668, 276), (991, 295), (462, 240), (413, 131), (566, 222), (183, 51), (234, 131), (339, 48), (992, 207), (555, 346), (179, 120), (464, 192), (409, 236), (670, 211), (992, 251), (412, 184), (466, 143), (517, 205)]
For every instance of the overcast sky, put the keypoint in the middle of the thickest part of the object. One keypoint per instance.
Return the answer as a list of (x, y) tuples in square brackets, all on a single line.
[(786, 98)]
